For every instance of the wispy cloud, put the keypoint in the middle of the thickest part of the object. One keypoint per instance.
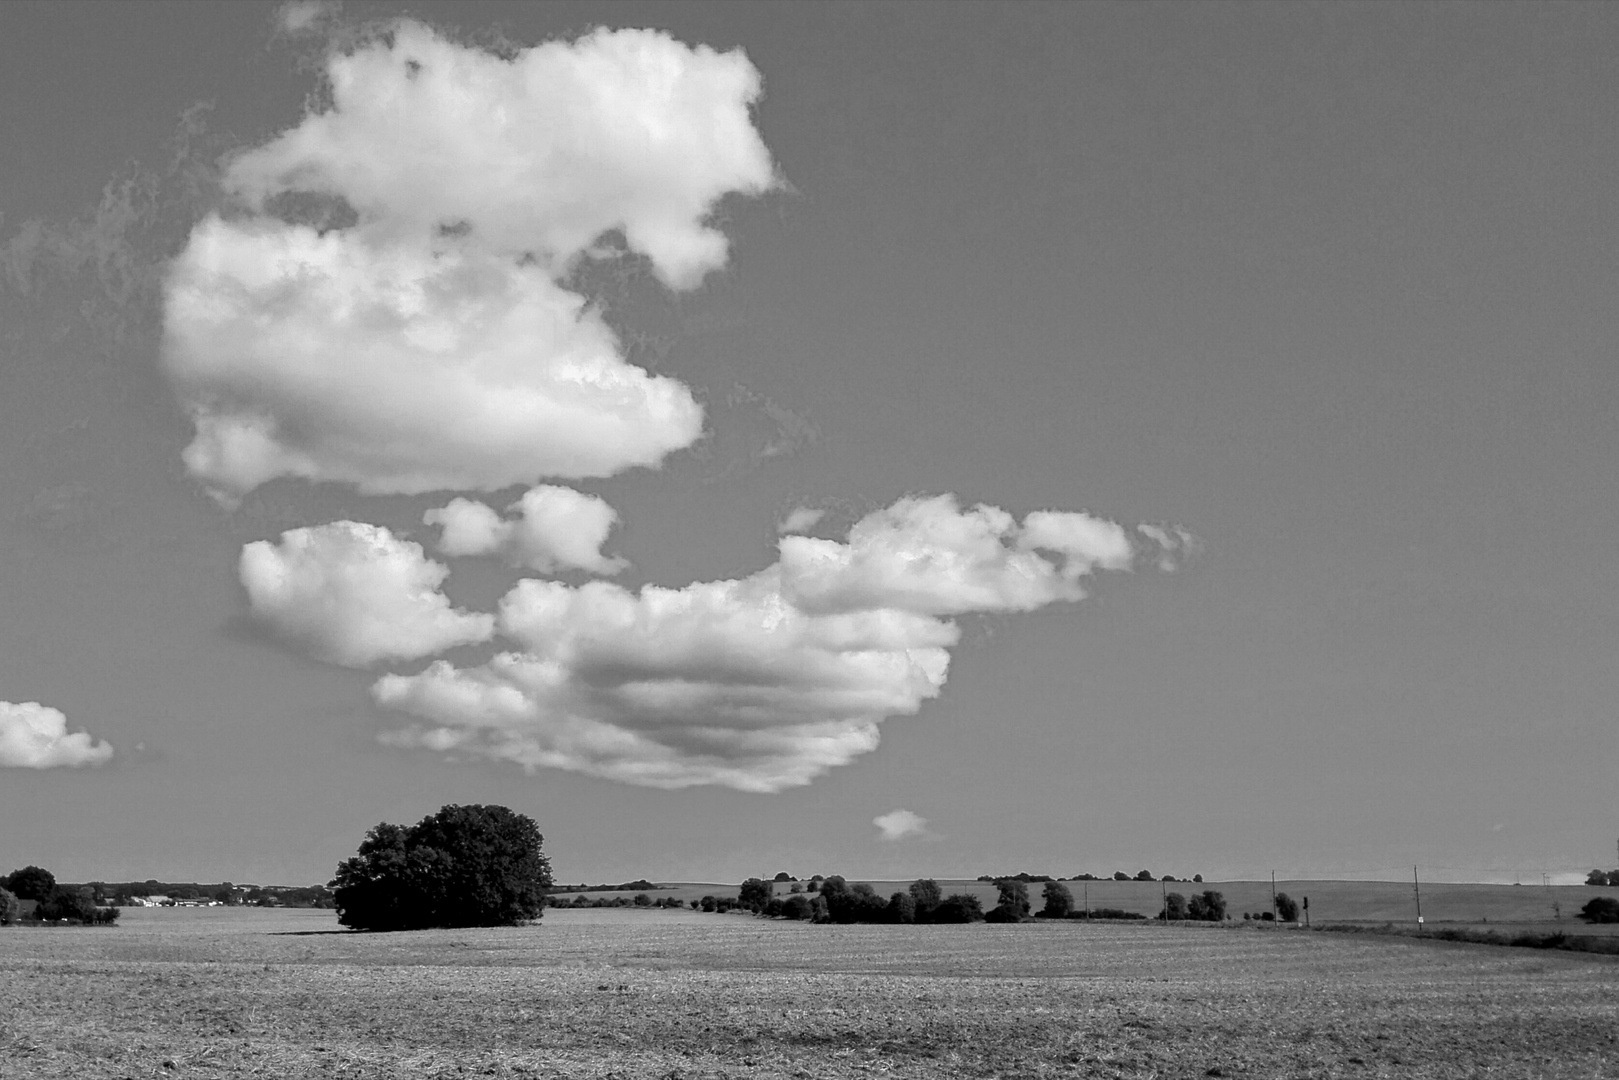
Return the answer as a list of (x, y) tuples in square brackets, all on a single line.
[(35, 736), (801, 519), (900, 825), (352, 594)]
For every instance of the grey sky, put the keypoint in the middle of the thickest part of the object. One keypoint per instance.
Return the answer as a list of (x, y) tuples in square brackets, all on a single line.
[(1327, 286)]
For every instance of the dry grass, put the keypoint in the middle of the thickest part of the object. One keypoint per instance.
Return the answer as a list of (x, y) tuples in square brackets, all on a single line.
[(234, 993)]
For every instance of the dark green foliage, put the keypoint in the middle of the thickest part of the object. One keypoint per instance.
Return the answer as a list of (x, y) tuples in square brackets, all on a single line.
[(1145, 875), (755, 894), (1198, 878), (642, 900), (1107, 913), (1120, 875), (901, 908), (1206, 906), (67, 903), (796, 906), (30, 883), (1600, 909), (958, 908), (1059, 902), (1601, 877), (927, 896), (1287, 908), (10, 907), (464, 866), (785, 876), (1174, 908), (1012, 902)]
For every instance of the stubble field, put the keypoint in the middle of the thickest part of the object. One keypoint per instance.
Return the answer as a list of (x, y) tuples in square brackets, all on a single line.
[(616, 993)]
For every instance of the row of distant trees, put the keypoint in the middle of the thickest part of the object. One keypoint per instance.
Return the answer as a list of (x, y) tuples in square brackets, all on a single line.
[(49, 901), (1603, 877), (1118, 875)]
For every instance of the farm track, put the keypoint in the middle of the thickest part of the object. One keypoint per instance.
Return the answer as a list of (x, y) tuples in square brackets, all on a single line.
[(677, 995)]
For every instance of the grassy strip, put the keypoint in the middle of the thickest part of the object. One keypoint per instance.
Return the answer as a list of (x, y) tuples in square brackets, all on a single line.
[(1606, 946)]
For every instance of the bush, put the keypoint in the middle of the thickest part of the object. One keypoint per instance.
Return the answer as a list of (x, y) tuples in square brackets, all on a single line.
[(927, 897), (1600, 909), (30, 883), (1198, 878), (1012, 902), (1059, 902), (959, 908), (796, 906), (1206, 906), (64, 903), (1145, 875), (1120, 875), (1174, 908), (642, 900), (464, 866), (1287, 908), (902, 908), (755, 894), (10, 907), (772, 908), (1107, 913)]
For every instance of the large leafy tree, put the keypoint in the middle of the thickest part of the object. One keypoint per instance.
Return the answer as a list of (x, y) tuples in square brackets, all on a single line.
[(463, 866), (30, 883)]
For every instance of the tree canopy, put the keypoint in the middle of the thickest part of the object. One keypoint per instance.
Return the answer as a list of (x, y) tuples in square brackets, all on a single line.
[(463, 866), (30, 883)]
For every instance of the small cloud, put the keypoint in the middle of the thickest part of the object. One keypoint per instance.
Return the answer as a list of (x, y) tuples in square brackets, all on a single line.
[(34, 736), (800, 520), (352, 594), (556, 528), (900, 825), (1175, 546), (304, 16)]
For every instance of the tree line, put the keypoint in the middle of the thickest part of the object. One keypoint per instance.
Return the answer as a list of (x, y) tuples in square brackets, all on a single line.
[(33, 893)]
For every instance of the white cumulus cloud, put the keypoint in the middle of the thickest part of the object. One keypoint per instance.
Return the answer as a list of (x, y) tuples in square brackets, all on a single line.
[(759, 683), (429, 344), (900, 824), (556, 528), (35, 736), (353, 594)]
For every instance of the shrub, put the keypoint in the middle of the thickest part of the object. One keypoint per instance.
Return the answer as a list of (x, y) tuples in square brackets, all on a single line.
[(959, 908), (1206, 906), (902, 908), (1174, 908), (772, 908), (464, 866), (106, 916), (1600, 909), (1287, 908), (1013, 901), (785, 876), (642, 900), (1198, 878), (1599, 877), (30, 883), (796, 888), (72, 905), (796, 906), (1059, 902), (1145, 875), (755, 894), (927, 897), (1108, 913), (10, 907), (709, 903), (1120, 875)]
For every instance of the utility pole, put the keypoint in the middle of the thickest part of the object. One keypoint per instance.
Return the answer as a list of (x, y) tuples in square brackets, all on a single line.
[(1273, 895), (1087, 900), (1164, 892), (1416, 887)]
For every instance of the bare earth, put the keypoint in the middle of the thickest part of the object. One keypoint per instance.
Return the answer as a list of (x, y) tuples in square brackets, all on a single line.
[(621, 993)]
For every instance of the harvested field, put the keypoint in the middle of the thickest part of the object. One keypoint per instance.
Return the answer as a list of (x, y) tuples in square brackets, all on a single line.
[(239, 993)]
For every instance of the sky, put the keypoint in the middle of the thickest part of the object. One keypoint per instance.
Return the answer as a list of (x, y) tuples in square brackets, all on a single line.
[(820, 438)]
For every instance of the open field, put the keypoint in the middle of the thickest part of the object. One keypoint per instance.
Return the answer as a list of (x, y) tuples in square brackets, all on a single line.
[(616, 993)]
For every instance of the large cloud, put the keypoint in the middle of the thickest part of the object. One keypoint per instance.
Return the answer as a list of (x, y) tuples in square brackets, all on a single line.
[(760, 683), (35, 736), (556, 528), (429, 343), (353, 594)]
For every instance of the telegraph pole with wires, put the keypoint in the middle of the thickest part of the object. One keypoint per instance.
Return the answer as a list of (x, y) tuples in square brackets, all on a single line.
[(1273, 895), (1416, 888)]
